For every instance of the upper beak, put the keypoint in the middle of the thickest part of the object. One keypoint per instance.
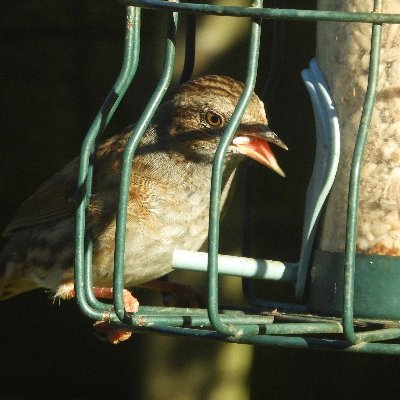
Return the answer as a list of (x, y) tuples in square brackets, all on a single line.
[(253, 142)]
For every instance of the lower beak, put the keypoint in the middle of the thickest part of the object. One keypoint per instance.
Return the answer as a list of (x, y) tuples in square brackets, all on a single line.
[(255, 144)]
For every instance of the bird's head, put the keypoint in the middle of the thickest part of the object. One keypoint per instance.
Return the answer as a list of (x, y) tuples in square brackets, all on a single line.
[(198, 112)]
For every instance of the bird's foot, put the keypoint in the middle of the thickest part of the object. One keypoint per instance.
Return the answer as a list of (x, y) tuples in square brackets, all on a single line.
[(106, 331), (131, 303), (66, 291)]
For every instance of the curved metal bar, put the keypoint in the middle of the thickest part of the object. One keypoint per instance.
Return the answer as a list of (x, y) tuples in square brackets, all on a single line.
[(92, 301), (216, 180), (138, 131), (268, 13), (354, 187), (281, 341), (267, 95), (128, 70)]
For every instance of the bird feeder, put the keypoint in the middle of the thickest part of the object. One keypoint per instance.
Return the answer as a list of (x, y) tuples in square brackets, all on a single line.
[(346, 279), (364, 232)]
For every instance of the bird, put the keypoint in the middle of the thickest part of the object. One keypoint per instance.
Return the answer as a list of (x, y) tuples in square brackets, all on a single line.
[(168, 204)]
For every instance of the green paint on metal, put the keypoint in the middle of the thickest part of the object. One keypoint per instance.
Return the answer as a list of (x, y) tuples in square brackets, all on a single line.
[(267, 13), (92, 301), (354, 183), (138, 131), (128, 70), (282, 341), (216, 180)]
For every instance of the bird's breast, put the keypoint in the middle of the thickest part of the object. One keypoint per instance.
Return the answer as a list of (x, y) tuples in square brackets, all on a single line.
[(163, 215)]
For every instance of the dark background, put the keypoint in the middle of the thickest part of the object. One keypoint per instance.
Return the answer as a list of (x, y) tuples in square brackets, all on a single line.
[(59, 59)]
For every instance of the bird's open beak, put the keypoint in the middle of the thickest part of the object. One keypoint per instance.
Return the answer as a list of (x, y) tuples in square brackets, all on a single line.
[(254, 144)]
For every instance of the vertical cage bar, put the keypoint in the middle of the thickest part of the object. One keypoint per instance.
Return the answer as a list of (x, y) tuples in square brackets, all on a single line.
[(128, 70), (92, 301), (216, 180), (138, 131), (354, 182)]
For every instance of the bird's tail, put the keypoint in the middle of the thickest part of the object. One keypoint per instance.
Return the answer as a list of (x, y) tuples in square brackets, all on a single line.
[(12, 280)]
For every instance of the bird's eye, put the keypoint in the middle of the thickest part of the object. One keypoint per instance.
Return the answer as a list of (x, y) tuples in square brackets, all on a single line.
[(213, 119)]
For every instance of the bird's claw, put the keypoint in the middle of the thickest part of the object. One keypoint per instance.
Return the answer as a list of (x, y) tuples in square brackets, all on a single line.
[(108, 332), (131, 303)]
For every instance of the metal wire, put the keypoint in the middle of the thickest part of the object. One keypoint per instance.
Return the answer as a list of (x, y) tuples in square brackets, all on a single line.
[(129, 152), (229, 326), (267, 13), (353, 197), (268, 93), (216, 180), (128, 70)]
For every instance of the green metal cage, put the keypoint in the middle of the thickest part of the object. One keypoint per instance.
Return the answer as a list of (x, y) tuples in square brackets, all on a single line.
[(296, 326)]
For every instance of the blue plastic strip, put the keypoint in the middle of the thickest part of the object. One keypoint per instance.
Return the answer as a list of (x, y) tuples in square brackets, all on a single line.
[(325, 165)]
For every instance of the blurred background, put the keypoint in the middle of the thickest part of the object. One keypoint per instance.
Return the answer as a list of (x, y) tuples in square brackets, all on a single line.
[(58, 61)]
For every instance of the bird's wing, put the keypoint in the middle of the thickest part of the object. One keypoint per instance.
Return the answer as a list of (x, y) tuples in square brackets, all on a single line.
[(53, 200)]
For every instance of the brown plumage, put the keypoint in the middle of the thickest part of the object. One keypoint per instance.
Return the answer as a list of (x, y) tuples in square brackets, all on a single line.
[(168, 196)]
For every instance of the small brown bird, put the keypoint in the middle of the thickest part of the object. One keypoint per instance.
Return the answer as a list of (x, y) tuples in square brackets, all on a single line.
[(168, 195)]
